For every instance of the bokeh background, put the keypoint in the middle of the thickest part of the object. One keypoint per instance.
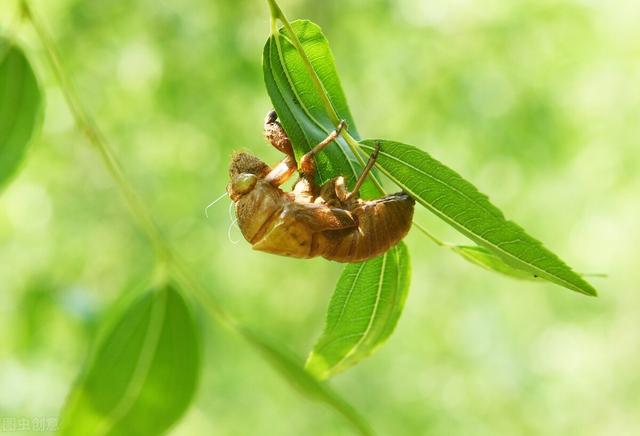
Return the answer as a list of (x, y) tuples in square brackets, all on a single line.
[(535, 101)]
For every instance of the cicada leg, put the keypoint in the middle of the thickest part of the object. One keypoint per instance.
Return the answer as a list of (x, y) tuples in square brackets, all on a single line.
[(333, 193), (307, 162), (276, 135), (307, 186), (282, 172), (365, 172)]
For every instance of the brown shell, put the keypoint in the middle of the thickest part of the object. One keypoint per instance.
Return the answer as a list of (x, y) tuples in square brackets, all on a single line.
[(273, 221), (382, 223)]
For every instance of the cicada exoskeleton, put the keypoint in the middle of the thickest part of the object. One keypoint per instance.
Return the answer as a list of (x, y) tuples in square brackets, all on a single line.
[(312, 220)]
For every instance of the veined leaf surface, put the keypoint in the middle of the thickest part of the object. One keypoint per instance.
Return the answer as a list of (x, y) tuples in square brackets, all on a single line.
[(488, 260), (363, 312), (459, 203), (143, 373)]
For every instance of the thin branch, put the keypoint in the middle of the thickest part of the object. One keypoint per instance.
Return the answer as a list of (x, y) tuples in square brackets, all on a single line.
[(166, 254), (86, 124)]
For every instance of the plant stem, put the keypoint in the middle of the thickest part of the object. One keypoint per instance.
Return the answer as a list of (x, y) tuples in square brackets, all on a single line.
[(164, 252), (430, 235), (276, 13), (86, 124)]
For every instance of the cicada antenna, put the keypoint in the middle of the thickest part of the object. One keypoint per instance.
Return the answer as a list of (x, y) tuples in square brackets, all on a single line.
[(233, 223), (206, 209), (230, 210)]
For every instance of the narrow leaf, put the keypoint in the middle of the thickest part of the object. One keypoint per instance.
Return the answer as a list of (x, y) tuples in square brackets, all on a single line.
[(458, 202), (487, 259), (299, 108), (289, 366), (363, 312), (20, 108), (143, 373)]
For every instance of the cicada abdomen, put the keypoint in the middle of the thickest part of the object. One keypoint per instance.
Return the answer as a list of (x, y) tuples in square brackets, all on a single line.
[(381, 224)]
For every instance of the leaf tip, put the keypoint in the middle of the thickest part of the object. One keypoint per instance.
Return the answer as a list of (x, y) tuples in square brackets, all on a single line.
[(592, 293), (586, 288)]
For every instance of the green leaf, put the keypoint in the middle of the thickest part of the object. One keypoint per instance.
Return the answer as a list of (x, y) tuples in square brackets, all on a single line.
[(458, 202), (20, 108), (487, 259), (363, 312), (299, 106), (143, 373), (291, 368)]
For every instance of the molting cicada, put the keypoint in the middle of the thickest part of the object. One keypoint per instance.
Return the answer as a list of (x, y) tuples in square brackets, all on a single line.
[(312, 220)]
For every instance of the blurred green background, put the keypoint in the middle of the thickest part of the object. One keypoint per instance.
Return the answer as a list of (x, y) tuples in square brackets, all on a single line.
[(537, 102)]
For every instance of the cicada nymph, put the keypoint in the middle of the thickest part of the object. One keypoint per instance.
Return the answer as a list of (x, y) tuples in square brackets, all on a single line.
[(312, 220)]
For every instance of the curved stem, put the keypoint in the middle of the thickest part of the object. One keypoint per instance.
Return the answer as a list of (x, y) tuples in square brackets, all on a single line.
[(86, 124), (430, 235), (166, 256), (276, 13)]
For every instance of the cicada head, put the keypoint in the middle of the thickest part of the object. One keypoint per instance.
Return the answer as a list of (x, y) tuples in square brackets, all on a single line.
[(244, 172)]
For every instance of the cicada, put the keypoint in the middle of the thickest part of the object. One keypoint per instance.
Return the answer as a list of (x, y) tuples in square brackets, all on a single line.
[(312, 220)]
